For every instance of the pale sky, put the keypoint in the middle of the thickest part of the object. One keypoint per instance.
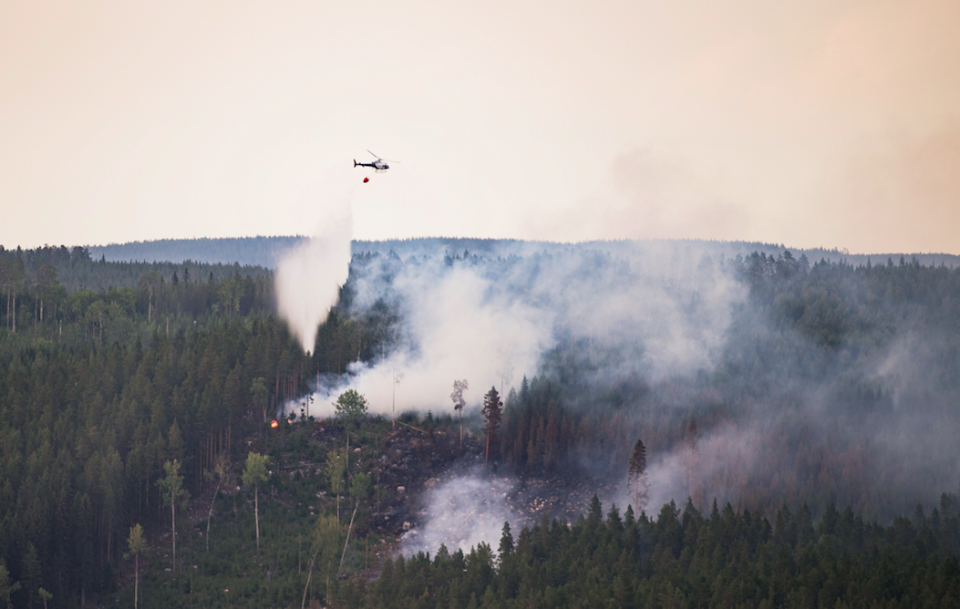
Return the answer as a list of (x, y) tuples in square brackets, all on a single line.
[(819, 123)]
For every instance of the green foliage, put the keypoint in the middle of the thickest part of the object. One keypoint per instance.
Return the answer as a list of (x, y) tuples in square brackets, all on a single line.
[(351, 406), (733, 559), (128, 370), (361, 486), (255, 469), (135, 541), (7, 587), (171, 486)]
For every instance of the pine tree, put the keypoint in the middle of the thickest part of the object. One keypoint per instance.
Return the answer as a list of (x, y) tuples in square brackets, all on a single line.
[(137, 545), (255, 473), (173, 493)]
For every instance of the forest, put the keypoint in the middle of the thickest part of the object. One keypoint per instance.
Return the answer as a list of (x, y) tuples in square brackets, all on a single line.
[(825, 413)]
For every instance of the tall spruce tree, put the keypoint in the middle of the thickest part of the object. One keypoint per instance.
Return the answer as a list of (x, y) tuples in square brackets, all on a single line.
[(637, 475), (492, 412)]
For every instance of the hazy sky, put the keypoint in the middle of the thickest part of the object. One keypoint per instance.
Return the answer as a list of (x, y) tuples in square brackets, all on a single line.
[(819, 123)]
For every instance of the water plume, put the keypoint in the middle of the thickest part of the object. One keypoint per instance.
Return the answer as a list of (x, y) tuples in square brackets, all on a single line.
[(309, 278)]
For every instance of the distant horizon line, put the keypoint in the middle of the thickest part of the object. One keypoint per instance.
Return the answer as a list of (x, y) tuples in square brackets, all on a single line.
[(835, 250), (832, 250)]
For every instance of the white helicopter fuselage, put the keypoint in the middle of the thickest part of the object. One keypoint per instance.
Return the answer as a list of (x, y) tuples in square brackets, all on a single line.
[(378, 165)]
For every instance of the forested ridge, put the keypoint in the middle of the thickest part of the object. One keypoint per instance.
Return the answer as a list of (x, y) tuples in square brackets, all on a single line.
[(110, 371), (723, 559), (267, 251)]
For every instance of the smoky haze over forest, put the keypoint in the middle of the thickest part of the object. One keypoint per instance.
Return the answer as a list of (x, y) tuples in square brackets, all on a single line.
[(752, 379), (806, 381)]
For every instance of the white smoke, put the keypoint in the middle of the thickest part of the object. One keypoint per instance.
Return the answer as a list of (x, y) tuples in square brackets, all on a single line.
[(457, 326), (309, 278), (462, 512), (490, 323)]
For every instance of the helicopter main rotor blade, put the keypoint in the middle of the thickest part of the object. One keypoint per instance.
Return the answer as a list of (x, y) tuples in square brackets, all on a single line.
[(382, 159)]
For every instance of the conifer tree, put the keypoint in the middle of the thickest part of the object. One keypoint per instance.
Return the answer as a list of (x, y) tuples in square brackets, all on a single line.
[(637, 476), (506, 541), (6, 586), (692, 441), (492, 412), (137, 545), (173, 493)]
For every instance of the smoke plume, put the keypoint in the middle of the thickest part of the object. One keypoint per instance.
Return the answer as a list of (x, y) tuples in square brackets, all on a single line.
[(461, 512), (490, 320), (814, 384)]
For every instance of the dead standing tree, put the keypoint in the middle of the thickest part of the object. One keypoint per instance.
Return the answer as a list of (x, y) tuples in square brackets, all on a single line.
[(458, 403), (220, 472), (638, 478)]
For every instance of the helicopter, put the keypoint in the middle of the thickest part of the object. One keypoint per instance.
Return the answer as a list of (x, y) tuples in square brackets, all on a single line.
[(379, 166)]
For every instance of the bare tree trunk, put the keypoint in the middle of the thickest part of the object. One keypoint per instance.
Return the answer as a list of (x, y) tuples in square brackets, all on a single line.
[(309, 575), (173, 530), (256, 515), (136, 585), (349, 528), (210, 513)]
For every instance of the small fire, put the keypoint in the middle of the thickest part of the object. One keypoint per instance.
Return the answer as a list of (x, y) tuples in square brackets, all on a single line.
[(274, 424)]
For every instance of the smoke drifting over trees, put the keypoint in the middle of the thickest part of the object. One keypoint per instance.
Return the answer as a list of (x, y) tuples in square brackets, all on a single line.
[(752, 378)]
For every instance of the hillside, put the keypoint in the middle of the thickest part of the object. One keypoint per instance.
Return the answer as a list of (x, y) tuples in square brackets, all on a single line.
[(816, 399)]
